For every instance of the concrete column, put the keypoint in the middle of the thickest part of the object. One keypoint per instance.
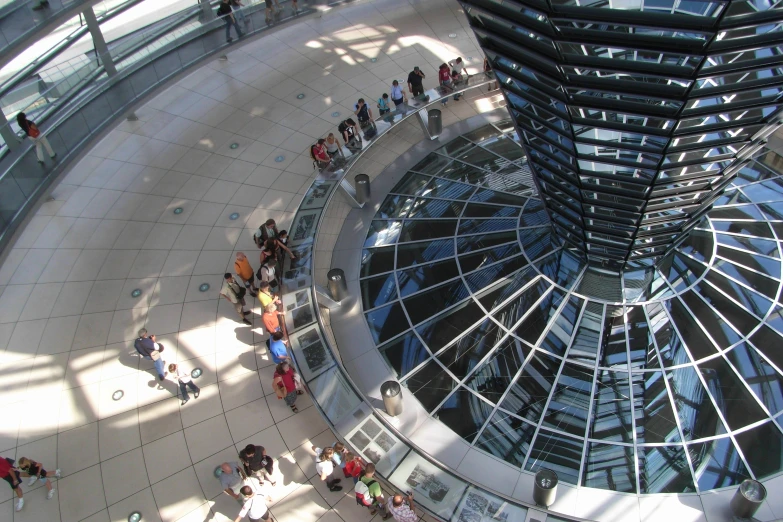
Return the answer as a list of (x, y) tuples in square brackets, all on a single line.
[(100, 43), (208, 13), (9, 136)]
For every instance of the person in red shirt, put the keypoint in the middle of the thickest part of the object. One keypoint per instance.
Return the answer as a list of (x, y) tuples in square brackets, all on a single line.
[(10, 474), (285, 385), (353, 467), (444, 78)]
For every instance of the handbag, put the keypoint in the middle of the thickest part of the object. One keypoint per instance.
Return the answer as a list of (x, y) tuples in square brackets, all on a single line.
[(241, 293), (154, 355), (33, 131)]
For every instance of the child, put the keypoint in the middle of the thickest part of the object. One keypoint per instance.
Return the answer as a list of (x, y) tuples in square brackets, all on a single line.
[(383, 104), (35, 471), (185, 381), (353, 467)]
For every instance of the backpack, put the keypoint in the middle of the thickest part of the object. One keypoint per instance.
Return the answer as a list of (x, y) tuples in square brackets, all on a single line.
[(362, 492)]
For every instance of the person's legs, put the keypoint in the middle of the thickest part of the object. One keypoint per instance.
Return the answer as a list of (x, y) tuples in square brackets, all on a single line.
[(290, 400), (38, 149), (184, 391), (195, 389), (47, 146), (160, 367), (15, 481), (228, 29), (238, 30)]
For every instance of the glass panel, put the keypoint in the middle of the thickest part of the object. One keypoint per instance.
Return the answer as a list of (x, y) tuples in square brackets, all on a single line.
[(507, 437), (440, 331), (669, 344), (383, 233), (429, 302), (378, 291), (698, 418), (417, 253), (517, 307), (475, 210), (469, 244), (471, 262), (414, 184), (395, 207), (528, 395), (429, 229), (762, 447), (612, 408), (559, 335), (531, 328), (734, 400), (716, 464), (762, 378), (377, 261), (585, 345), (461, 357), (698, 344), (652, 409), (404, 354), (494, 376), (440, 188), (560, 453), (720, 331), (664, 469), (387, 322), (425, 276), (614, 348), (570, 401), (610, 467), (435, 208), (430, 385), (464, 413)]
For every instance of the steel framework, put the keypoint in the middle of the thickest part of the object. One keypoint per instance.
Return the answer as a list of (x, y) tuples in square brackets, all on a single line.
[(635, 114)]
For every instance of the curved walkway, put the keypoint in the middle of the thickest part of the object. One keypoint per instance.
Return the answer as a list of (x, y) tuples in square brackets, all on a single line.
[(67, 315)]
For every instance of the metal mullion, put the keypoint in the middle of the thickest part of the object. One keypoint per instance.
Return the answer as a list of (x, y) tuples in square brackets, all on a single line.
[(731, 299), (671, 401), (701, 326), (588, 427), (754, 254), (554, 384), (502, 398), (771, 278)]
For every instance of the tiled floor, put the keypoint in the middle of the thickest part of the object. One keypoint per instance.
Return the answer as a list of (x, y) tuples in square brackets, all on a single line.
[(67, 317)]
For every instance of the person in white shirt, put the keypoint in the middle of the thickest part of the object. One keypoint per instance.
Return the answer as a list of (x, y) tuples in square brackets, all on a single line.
[(254, 506), (324, 466), (185, 381)]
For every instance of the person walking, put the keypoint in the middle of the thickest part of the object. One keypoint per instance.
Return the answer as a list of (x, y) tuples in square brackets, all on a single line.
[(185, 381), (332, 145), (232, 478), (257, 463), (36, 471), (150, 349), (324, 466), (12, 475), (401, 508), (254, 506), (227, 14), (488, 72), (245, 272), (36, 136), (236, 6), (415, 85), (398, 95), (284, 383), (235, 295), (371, 493)]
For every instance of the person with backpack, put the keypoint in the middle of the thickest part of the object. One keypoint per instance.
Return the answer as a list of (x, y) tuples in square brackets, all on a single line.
[(364, 115), (369, 494), (226, 13), (34, 133), (350, 132), (268, 274), (151, 350), (321, 158)]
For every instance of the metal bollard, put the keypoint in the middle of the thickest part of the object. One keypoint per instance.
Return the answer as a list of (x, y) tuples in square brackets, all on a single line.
[(391, 391), (338, 287), (434, 122), (545, 487), (748, 499), (362, 188)]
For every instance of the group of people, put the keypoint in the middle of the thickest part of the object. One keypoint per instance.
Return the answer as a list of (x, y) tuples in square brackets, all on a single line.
[(324, 151), (243, 481), (12, 472), (366, 489), (227, 9)]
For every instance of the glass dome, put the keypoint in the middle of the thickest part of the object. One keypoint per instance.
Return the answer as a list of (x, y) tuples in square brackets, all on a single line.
[(664, 380)]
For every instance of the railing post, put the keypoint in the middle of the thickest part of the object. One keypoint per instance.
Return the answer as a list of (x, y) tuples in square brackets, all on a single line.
[(9, 136), (100, 43)]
